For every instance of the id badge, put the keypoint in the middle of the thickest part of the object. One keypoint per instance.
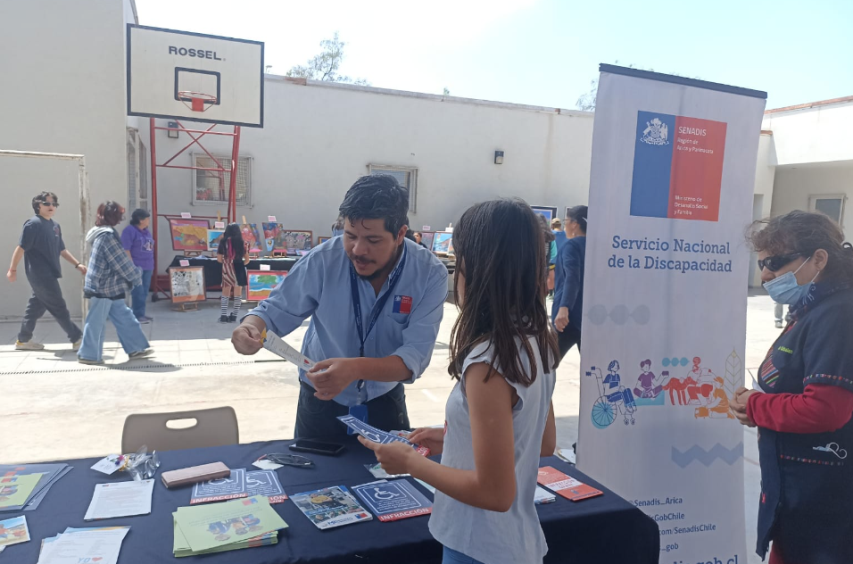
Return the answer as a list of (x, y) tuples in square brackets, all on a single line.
[(360, 413)]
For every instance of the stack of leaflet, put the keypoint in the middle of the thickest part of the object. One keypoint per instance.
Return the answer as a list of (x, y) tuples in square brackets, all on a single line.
[(220, 527), (24, 486), (99, 545)]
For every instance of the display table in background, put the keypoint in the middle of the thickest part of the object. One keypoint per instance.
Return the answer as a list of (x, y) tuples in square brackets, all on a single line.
[(600, 530), (213, 269)]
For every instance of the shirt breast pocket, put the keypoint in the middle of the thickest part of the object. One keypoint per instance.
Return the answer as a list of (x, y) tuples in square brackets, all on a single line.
[(401, 319)]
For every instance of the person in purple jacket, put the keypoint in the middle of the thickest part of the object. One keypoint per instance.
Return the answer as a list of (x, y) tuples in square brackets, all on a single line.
[(139, 245)]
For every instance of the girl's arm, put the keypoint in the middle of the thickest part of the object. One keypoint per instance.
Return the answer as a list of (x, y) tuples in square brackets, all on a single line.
[(491, 485), (549, 437)]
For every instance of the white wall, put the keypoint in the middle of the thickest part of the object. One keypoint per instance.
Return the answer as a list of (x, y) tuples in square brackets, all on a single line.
[(62, 69), (318, 139), (794, 186), (812, 135), (765, 174)]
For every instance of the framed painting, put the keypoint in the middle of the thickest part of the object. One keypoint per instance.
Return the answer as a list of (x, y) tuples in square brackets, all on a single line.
[(187, 284), (271, 231), (443, 243), (262, 283), (214, 237), (322, 239), (427, 238), (550, 212), (188, 234), (251, 237), (292, 241)]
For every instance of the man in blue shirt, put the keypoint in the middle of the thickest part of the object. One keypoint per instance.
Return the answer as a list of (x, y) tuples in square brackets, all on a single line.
[(375, 300)]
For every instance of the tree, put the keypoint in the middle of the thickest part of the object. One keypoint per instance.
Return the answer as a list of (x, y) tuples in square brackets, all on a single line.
[(586, 102), (326, 64)]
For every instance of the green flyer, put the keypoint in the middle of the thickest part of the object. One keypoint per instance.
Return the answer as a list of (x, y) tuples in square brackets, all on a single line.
[(211, 526), (14, 490)]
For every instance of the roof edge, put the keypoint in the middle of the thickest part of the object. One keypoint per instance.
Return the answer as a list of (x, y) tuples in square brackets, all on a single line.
[(808, 105)]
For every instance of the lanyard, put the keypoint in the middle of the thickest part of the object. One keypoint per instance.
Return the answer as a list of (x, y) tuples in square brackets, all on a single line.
[(377, 309)]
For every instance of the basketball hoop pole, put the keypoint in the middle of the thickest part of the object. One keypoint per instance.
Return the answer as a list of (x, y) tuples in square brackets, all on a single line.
[(196, 136)]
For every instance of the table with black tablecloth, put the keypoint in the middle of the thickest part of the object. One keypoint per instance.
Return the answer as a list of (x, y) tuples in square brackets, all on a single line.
[(213, 268), (606, 529)]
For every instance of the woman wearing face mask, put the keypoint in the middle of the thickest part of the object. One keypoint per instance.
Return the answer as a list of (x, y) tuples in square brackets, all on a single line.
[(804, 407)]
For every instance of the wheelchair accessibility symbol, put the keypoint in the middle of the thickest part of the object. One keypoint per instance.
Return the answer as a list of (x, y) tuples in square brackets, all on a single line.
[(383, 495)]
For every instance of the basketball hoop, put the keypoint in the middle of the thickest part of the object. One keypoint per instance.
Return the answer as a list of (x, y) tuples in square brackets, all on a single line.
[(197, 101)]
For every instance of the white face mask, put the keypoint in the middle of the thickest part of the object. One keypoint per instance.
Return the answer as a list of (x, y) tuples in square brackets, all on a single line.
[(786, 290)]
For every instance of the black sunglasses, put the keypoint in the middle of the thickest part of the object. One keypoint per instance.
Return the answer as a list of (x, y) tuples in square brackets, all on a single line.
[(776, 262), (48, 204), (288, 459)]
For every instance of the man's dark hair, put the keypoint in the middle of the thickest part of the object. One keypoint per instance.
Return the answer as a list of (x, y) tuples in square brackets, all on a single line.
[(42, 198), (138, 215), (377, 197)]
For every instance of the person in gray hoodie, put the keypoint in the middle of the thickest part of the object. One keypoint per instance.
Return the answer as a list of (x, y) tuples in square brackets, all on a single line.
[(110, 275)]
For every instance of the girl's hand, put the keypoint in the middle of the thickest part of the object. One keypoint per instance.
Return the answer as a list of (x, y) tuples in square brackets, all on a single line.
[(395, 458), (430, 437)]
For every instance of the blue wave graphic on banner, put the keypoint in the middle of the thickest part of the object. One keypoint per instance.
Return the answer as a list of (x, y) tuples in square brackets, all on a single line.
[(707, 457)]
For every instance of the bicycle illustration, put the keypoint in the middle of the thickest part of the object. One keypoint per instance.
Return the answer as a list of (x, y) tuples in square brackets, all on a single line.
[(613, 399)]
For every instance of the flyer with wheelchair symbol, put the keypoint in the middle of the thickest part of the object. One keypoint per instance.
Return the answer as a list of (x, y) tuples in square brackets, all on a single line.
[(392, 501)]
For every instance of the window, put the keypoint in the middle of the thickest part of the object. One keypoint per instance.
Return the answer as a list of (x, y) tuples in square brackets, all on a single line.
[(211, 187), (137, 172), (831, 205), (407, 177)]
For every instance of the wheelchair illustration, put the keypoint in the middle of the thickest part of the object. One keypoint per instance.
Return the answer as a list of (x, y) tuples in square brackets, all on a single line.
[(613, 399)]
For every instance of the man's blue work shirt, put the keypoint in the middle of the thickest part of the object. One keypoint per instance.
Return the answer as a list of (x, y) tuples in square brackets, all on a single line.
[(318, 286)]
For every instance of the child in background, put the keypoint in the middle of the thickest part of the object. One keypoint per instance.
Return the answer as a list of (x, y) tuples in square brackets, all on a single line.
[(499, 416), (234, 257)]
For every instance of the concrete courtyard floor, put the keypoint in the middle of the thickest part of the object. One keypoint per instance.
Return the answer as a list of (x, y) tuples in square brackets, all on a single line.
[(53, 408)]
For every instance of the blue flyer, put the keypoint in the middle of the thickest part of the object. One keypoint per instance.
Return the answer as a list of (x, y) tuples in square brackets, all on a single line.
[(391, 501)]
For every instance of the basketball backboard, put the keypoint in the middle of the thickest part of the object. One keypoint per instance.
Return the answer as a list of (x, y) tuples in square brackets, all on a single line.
[(183, 75)]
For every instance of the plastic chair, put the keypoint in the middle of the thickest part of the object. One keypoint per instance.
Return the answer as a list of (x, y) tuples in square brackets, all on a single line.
[(213, 427)]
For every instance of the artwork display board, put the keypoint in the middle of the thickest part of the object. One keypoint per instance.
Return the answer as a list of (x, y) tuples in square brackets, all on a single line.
[(187, 284), (262, 283), (189, 234)]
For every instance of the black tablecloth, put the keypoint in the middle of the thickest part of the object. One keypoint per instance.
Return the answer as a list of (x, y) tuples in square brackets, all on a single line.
[(213, 269), (605, 529)]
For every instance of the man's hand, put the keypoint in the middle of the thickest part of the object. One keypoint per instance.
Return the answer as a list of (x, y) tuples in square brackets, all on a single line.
[(12, 275), (330, 377), (430, 437), (395, 457), (562, 319), (246, 339), (82, 268)]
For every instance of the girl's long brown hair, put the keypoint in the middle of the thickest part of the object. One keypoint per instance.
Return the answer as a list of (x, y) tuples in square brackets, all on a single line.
[(500, 250)]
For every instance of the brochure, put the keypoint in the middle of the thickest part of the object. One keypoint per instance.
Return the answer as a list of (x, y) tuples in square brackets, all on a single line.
[(331, 507), (240, 484), (13, 531), (377, 435), (392, 501), (120, 499), (205, 527), (16, 490), (565, 485)]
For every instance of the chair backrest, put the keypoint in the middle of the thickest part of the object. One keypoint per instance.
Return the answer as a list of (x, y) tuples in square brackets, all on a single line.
[(213, 427)]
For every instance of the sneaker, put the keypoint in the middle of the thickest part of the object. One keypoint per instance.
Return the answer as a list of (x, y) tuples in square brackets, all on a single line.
[(232, 318), (141, 354), (87, 361), (779, 325), (75, 346), (144, 320), (223, 319), (28, 346)]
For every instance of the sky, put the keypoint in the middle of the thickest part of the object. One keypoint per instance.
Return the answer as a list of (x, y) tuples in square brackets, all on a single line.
[(544, 52)]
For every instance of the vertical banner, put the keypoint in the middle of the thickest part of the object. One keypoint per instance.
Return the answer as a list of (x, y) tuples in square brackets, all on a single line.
[(664, 326)]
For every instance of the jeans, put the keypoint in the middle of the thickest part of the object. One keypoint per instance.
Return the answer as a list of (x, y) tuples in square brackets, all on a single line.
[(139, 294), (450, 556), (317, 419), (129, 332), (47, 296)]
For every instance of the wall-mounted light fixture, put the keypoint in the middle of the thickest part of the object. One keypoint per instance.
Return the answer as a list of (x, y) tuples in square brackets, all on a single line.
[(499, 157), (172, 134)]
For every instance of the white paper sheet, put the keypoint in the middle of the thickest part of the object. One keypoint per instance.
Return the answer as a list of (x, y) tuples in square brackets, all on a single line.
[(273, 342), (120, 499), (100, 545)]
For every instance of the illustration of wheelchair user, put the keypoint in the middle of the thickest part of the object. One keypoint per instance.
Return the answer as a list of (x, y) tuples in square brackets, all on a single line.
[(614, 398)]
